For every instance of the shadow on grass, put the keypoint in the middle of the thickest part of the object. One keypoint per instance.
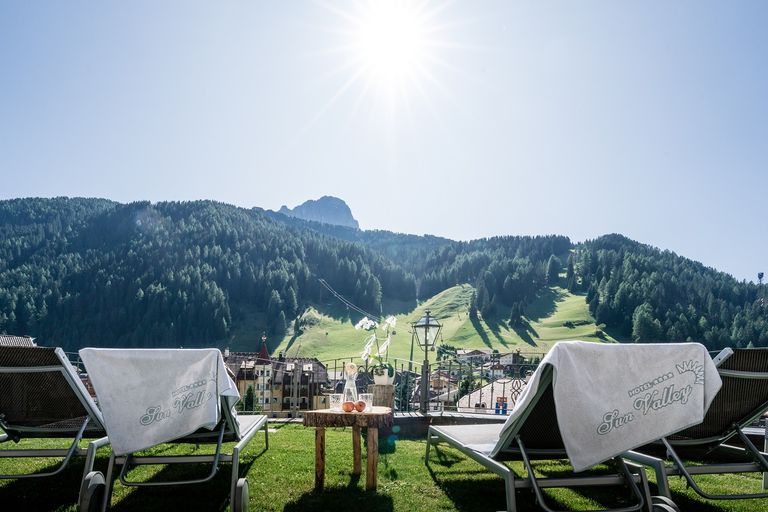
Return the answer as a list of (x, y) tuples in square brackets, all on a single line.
[(290, 343), (524, 330), (333, 308), (464, 492), (211, 495), (398, 307), (685, 502), (495, 326), (616, 333), (545, 304), (341, 498), (443, 457), (610, 497), (57, 492), (481, 332)]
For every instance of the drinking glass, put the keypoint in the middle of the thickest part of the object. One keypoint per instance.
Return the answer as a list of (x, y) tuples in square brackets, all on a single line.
[(368, 399), (335, 402)]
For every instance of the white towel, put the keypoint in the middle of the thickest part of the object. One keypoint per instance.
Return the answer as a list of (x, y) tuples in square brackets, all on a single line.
[(152, 396), (611, 398)]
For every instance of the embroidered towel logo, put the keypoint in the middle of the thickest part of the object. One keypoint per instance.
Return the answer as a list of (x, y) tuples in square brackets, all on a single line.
[(692, 366), (153, 414), (612, 420), (186, 398), (188, 387), (657, 401), (647, 399), (190, 401)]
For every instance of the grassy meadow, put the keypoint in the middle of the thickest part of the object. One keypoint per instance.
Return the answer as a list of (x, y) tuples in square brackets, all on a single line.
[(555, 315), (282, 478)]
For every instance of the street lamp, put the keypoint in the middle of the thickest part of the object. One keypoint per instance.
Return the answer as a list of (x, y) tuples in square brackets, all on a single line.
[(264, 374), (425, 330)]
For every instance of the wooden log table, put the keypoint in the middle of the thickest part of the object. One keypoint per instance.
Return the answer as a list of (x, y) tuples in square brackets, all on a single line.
[(373, 419)]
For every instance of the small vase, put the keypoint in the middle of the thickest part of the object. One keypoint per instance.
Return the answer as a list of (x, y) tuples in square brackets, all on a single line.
[(350, 386)]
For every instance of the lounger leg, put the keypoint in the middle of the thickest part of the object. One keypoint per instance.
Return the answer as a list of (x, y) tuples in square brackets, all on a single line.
[(502, 470), (659, 469), (90, 454), (235, 474), (426, 455), (90, 458), (509, 489), (109, 482), (266, 435)]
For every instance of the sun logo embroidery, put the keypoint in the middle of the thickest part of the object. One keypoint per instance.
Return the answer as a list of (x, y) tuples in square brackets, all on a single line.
[(692, 366)]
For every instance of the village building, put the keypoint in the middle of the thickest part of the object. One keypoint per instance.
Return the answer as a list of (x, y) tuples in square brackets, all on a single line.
[(254, 370), (493, 370), (299, 385), (473, 356)]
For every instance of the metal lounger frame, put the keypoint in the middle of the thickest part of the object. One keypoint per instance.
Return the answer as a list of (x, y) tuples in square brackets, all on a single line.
[(15, 434), (759, 460), (214, 459), (631, 475), (66, 453)]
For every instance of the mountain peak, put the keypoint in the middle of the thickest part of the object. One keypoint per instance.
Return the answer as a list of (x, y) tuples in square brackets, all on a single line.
[(327, 209)]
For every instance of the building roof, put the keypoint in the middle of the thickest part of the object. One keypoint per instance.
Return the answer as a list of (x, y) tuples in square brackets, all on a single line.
[(236, 361), (319, 372), (464, 352), (8, 340), (263, 357)]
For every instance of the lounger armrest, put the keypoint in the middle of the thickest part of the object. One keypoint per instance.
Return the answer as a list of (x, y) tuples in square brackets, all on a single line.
[(722, 356), (45, 453)]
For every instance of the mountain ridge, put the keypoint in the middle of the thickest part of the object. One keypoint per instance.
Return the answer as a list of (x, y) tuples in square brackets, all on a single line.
[(326, 210)]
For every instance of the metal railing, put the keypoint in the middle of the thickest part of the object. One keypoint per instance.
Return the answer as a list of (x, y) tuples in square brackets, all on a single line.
[(479, 386), (482, 385)]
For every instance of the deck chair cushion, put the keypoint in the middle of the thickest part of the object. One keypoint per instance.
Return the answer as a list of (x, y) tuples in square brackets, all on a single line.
[(152, 396), (613, 397), (42, 395)]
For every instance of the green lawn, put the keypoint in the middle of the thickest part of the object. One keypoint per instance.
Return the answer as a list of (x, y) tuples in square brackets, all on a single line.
[(281, 478), (333, 337)]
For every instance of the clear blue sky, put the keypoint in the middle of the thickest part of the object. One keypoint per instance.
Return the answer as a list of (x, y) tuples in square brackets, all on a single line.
[(464, 119)]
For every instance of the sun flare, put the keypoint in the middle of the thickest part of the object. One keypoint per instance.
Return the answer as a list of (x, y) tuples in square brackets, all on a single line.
[(391, 43), (391, 53)]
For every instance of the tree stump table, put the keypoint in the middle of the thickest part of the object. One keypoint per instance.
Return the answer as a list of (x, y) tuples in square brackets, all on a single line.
[(373, 419)]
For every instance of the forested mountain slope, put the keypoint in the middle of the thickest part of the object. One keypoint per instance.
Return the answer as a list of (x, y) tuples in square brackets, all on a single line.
[(76, 272), (647, 294)]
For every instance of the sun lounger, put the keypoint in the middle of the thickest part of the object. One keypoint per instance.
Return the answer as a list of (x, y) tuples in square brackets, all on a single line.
[(582, 404), (149, 397), (742, 399), (43, 397)]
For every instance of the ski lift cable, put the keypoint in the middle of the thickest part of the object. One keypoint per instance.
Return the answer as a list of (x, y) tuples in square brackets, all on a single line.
[(348, 303)]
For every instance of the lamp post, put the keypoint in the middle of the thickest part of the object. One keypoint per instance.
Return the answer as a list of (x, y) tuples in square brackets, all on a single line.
[(263, 375), (426, 330)]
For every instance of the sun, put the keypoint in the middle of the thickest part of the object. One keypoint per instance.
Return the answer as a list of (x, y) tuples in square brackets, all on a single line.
[(390, 53), (391, 43)]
